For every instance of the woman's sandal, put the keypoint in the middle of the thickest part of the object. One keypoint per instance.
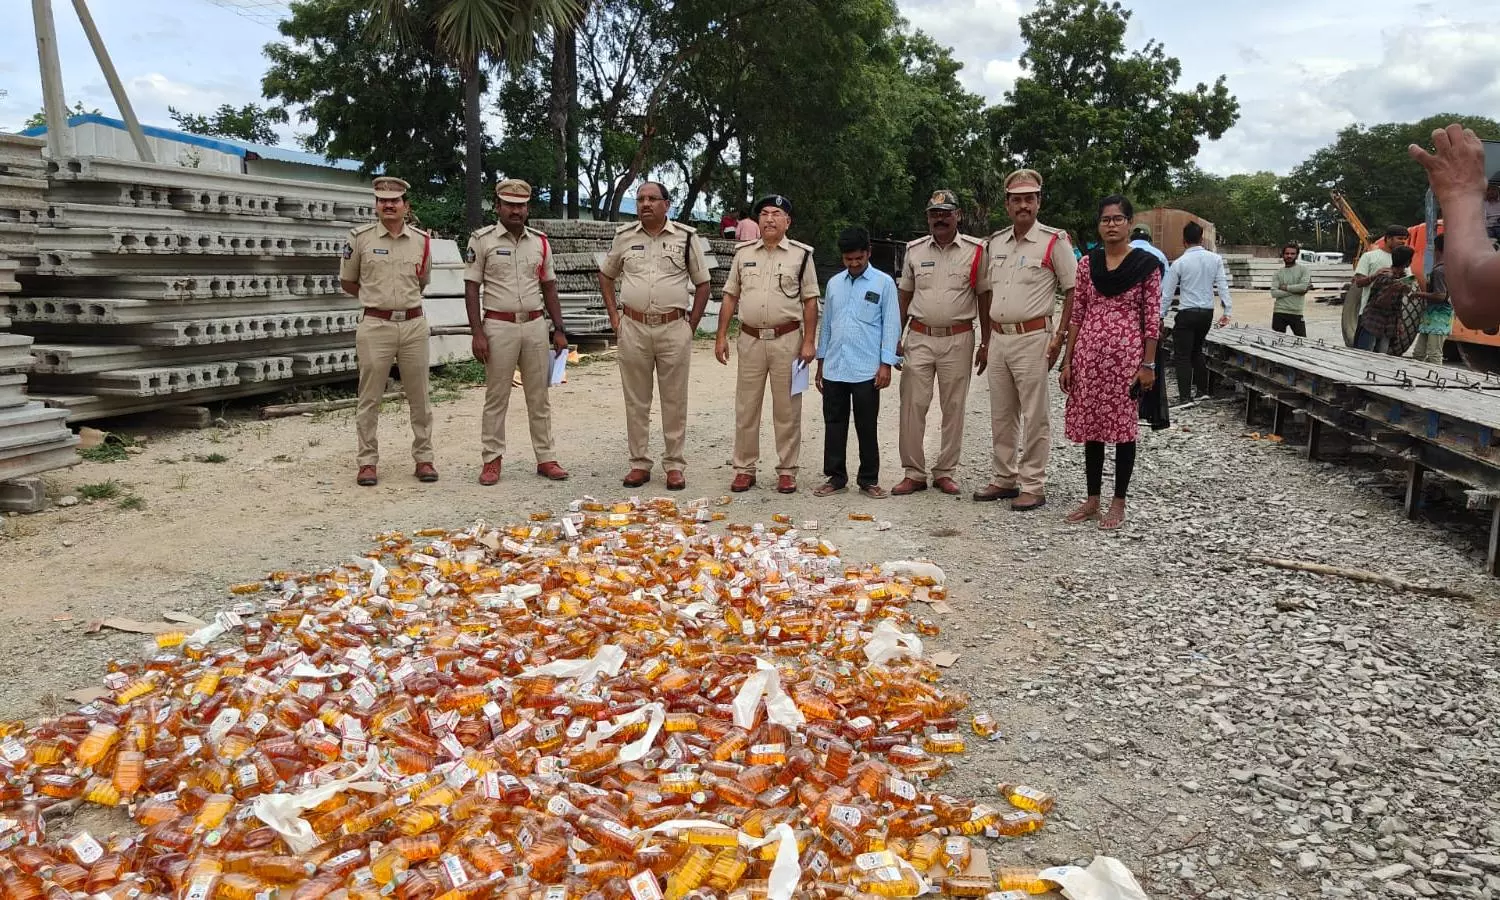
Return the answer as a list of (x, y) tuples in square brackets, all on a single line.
[(1080, 515), (1111, 521)]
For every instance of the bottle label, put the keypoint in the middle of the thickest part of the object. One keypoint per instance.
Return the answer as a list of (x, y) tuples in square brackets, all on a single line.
[(897, 787), (768, 750), (450, 744), (454, 869), (199, 888), (644, 887), (257, 722), (12, 750), (225, 720), (247, 775), (489, 786), (561, 806), (341, 860), (1030, 794), (860, 723), (849, 815), (85, 848), (557, 892)]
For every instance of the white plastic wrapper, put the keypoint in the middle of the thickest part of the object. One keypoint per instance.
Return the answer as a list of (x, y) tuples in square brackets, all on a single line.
[(378, 573), (207, 634), (1106, 878), (283, 812), (889, 642), (785, 871), (766, 682), (308, 671), (607, 661), (918, 567), (654, 714)]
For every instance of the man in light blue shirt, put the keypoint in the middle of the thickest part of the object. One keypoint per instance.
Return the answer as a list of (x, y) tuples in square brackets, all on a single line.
[(1140, 238), (1199, 273), (857, 338)]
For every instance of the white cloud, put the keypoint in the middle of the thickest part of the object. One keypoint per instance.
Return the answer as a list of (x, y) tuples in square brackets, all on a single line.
[(984, 34)]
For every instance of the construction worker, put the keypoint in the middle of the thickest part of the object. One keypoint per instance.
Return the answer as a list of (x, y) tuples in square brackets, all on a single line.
[(1025, 267), (773, 285), (386, 264), (663, 277), (514, 264), (938, 306)]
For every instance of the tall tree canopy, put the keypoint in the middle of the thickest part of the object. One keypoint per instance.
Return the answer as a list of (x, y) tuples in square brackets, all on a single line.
[(250, 122)]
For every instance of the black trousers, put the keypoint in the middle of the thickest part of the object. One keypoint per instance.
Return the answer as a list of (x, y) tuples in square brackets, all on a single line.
[(839, 397), (1282, 321), (1093, 467), (1189, 334)]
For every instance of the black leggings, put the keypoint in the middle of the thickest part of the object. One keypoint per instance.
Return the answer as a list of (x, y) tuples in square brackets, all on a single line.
[(1093, 467)]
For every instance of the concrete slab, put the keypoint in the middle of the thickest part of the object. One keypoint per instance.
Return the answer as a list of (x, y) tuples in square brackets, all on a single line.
[(23, 495), (31, 424), (12, 391), (40, 459), (143, 382), (85, 311)]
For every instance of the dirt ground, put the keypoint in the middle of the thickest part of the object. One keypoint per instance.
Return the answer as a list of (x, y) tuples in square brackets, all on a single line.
[(1043, 612)]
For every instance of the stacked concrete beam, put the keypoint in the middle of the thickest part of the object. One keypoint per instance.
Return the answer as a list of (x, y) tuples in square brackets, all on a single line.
[(157, 286), (33, 438), (22, 184), (578, 246), (1256, 272)]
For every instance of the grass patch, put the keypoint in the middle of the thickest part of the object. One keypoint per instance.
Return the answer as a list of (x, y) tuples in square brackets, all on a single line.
[(113, 449), (211, 458), (102, 490), (134, 501)]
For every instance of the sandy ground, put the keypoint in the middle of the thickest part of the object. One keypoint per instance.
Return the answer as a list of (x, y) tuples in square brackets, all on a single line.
[(286, 499)]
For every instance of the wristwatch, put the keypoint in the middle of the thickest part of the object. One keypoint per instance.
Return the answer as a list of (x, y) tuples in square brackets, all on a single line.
[(1150, 365)]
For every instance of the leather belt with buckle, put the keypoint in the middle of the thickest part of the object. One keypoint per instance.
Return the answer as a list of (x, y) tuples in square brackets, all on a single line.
[(394, 315), (772, 333), (654, 318), (529, 316), (919, 327), (1026, 327)]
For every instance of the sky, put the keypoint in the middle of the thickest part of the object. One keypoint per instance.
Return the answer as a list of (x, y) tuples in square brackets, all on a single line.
[(1300, 70)]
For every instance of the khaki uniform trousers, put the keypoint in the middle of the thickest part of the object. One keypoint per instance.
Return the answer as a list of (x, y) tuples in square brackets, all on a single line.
[(1020, 422), (949, 363), (523, 345), (662, 351), (760, 362), (379, 343)]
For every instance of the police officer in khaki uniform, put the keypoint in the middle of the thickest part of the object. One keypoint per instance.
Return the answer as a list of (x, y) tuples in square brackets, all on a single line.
[(938, 305), (513, 263), (386, 264), (773, 286), (1025, 266), (661, 268)]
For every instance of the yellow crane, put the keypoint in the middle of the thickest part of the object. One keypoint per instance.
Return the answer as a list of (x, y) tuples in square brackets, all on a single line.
[(1341, 203)]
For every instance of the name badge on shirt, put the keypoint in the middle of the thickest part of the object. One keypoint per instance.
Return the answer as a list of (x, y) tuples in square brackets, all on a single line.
[(638, 247), (872, 297), (502, 252), (929, 264), (748, 265), (379, 252)]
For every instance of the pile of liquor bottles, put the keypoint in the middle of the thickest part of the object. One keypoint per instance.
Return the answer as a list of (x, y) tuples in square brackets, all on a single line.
[(626, 701)]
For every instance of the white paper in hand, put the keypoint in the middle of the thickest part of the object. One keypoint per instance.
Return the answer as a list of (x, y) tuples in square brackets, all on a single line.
[(559, 367), (800, 379)]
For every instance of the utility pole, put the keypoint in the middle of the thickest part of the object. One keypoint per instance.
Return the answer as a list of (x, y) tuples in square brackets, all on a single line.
[(59, 137), (107, 66)]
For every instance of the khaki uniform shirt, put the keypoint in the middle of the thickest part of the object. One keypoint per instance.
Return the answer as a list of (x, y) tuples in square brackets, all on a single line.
[(767, 285), (1023, 288), (390, 270), (510, 268), (938, 279), (656, 274)]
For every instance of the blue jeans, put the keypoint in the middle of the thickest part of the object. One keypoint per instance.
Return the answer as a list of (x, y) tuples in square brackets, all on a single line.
[(1365, 340)]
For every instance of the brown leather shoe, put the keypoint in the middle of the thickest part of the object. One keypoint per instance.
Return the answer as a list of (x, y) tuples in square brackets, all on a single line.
[(1028, 502), (550, 469), (946, 485), (490, 474), (635, 477), (742, 482), (786, 484), (908, 486), (366, 477), (675, 480), (426, 472), (992, 492)]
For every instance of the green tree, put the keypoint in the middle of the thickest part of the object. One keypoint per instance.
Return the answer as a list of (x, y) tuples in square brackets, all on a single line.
[(1094, 118), (1245, 208), (38, 119), (397, 108), (471, 35), (1370, 166), (250, 122)]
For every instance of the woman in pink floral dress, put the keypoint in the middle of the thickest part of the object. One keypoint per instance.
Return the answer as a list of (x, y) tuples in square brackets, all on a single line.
[(1111, 355)]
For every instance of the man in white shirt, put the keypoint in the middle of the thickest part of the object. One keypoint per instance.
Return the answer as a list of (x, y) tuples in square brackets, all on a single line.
[(1199, 273), (1376, 261)]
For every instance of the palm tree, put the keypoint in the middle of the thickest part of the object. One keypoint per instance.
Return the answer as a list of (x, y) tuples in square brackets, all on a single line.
[(474, 35)]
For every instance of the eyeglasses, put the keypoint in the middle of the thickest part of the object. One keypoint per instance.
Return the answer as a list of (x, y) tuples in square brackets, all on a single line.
[(1112, 220)]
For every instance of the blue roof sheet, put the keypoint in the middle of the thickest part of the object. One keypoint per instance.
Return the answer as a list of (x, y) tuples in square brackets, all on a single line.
[(232, 146)]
